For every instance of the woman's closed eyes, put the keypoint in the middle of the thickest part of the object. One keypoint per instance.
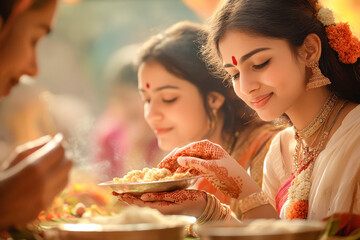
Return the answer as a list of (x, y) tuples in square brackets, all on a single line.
[(256, 67), (260, 66), (148, 100), (169, 100)]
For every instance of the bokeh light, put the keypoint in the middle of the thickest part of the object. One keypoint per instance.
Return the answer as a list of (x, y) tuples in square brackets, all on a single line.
[(346, 11)]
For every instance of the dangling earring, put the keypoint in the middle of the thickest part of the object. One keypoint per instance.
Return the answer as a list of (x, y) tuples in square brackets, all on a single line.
[(317, 79)]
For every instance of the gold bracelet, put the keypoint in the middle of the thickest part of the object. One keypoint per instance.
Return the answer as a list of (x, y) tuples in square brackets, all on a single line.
[(208, 209), (214, 211), (227, 213), (252, 201)]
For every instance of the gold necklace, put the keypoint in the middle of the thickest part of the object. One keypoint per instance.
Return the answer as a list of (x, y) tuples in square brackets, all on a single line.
[(309, 155), (319, 120)]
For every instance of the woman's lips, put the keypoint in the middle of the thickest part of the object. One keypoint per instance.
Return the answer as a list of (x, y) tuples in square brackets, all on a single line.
[(261, 101), (160, 131)]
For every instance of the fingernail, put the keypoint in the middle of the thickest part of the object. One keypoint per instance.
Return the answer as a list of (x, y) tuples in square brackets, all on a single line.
[(181, 161)]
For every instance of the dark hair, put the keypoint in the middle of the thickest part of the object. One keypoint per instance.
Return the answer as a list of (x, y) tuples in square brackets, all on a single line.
[(178, 50), (7, 6), (291, 20)]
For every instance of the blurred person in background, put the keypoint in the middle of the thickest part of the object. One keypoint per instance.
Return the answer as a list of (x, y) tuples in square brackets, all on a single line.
[(122, 139), (39, 169), (184, 103), (24, 117)]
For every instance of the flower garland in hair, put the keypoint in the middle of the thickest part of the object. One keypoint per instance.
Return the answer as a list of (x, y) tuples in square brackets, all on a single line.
[(340, 37), (344, 43)]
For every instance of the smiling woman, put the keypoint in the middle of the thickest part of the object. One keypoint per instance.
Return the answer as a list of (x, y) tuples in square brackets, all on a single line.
[(292, 59), (184, 103)]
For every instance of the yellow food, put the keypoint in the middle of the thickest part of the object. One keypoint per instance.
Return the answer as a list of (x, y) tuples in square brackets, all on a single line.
[(150, 175)]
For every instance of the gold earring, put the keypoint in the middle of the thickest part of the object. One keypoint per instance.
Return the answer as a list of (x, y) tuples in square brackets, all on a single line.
[(317, 79)]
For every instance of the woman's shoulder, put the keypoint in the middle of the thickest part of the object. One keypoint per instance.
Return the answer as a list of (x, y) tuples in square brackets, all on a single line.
[(353, 113), (278, 161), (282, 145), (348, 128)]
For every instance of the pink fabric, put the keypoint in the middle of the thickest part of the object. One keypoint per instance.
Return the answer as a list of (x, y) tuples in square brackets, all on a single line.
[(282, 195), (109, 144), (113, 155)]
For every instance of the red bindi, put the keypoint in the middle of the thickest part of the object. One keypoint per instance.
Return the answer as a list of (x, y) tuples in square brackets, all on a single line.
[(234, 60), (147, 85)]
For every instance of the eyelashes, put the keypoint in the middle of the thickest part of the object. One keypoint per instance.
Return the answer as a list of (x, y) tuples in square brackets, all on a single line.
[(260, 66), (169, 100), (236, 76), (256, 67), (164, 100)]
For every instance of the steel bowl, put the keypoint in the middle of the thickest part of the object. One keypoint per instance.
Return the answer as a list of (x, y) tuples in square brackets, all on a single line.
[(298, 230), (135, 231), (139, 188), (138, 231)]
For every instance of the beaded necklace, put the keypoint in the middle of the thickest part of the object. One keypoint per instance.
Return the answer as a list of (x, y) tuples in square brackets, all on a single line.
[(304, 160)]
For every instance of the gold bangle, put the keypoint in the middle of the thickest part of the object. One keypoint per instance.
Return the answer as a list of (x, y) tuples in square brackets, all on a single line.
[(208, 209), (252, 201), (214, 211), (227, 213)]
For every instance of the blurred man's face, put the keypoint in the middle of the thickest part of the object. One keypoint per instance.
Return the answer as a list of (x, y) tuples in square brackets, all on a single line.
[(18, 45)]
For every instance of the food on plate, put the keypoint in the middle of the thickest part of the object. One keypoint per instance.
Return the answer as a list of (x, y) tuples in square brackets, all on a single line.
[(151, 175)]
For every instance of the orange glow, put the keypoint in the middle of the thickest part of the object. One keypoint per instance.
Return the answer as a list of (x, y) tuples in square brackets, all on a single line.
[(202, 8), (346, 11), (71, 1)]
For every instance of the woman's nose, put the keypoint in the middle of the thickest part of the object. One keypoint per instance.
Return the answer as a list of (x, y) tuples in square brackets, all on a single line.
[(248, 84), (152, 112)]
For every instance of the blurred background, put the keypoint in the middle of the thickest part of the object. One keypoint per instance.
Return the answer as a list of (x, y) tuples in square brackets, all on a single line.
[(73, 94)]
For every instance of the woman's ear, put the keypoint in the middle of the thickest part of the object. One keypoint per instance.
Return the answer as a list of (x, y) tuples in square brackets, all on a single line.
[(215, 100), (311, 48)]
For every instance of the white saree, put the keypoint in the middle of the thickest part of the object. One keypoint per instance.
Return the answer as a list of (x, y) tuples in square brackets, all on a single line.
[(336, 175)]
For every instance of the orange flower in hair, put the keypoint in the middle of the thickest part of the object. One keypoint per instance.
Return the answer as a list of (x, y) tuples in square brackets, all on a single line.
[(343, 42)]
